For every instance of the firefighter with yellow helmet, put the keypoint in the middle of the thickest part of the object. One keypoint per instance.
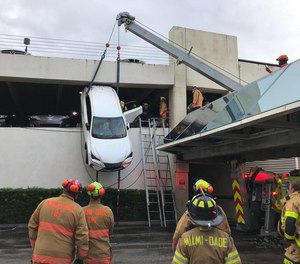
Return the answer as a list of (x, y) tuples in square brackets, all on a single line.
[(289, 226), (204, 242), (100, 220), (185, 223)]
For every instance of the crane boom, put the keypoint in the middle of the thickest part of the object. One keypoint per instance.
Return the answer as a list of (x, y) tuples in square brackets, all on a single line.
[(185, 58)]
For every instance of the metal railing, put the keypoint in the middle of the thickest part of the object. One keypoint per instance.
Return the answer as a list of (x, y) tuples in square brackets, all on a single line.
[(83, 49)]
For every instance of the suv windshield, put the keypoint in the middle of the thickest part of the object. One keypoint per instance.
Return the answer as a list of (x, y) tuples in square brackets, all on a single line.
[(107, 128)]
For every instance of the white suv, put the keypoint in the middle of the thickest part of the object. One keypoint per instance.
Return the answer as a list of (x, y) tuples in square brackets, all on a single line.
[(107, 144)]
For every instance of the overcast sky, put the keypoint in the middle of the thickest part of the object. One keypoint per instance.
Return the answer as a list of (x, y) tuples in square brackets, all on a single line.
[(264, 29)]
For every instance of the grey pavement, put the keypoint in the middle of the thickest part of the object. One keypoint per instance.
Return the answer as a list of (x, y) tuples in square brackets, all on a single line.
[(136, 243)]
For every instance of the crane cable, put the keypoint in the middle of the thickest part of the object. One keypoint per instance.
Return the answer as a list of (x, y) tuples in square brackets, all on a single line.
[(118, 61), (102, 58)]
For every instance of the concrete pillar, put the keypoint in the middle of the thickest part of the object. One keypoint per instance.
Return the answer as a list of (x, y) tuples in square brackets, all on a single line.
[(181, 186), (177, 95)]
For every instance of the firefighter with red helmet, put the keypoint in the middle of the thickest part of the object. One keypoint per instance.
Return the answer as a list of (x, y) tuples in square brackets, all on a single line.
[(204, 242), (100, 220), (184, 224), (289, 226), (282, 62), (58, 229)]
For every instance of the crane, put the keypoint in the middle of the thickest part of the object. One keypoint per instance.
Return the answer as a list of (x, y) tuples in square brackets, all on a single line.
[(182, 57)]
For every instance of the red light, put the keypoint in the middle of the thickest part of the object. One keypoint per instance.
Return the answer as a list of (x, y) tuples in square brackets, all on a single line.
[(263, 176), (274, 194), (285, 176), (181, 182)]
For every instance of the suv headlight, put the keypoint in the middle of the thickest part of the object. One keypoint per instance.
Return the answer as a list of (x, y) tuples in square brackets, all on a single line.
[(127, 161)]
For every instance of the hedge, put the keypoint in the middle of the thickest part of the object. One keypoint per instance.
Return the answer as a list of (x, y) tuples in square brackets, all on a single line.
[(17, 205)]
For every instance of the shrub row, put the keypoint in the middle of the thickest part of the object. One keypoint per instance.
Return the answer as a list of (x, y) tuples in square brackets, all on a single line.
[(17, 205)]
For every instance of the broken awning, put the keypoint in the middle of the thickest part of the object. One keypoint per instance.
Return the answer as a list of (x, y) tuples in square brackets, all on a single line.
[(255, 118)]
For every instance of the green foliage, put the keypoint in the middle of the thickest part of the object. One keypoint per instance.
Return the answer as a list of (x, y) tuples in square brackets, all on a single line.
[(17, 205)]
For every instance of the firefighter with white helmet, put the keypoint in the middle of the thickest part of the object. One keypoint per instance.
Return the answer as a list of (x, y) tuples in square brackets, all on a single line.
[(57, 227), (204, 242), (185, 222), (100, 220)]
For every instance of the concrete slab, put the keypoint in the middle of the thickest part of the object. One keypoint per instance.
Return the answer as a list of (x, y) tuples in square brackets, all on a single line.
[(136, 243)]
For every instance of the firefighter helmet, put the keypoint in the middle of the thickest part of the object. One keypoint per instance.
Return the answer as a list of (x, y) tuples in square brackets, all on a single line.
[(282, 57), (72, 185), (204, 211), (95, 189), (162, 98), (204, 185)]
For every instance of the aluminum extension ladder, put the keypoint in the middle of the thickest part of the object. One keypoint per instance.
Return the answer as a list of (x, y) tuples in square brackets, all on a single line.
[(157, 176)]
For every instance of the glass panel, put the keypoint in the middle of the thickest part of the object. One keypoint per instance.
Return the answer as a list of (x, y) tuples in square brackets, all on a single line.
[(108, 128), (274, 90)]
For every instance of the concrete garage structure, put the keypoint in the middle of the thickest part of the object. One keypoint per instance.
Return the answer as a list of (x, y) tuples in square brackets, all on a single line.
[(44, 157)]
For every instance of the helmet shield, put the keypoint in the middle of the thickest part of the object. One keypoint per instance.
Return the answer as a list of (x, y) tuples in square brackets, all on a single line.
[(204, 211)]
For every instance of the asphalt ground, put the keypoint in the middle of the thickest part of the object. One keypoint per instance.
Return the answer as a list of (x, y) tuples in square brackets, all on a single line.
[(137, 243)]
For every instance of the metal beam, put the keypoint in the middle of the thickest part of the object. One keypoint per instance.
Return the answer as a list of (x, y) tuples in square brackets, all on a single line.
[(182, 57)]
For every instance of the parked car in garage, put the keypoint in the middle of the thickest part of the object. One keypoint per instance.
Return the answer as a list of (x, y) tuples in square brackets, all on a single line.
[(107, 143), (4, 120), (48, 120)]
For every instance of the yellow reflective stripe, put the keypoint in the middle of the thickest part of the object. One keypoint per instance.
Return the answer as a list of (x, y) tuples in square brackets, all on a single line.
[(297, 242), (291, 214), (286, 261), (288, 236), (232, 258), (210, 204), (201, 204), (195, 202), (178, 258)]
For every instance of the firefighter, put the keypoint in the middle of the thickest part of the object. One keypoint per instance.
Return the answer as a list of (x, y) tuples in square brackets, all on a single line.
[(123, 106), (282, 62), (100, 220), (163, 110), (185, 222), (197, 99), (289, 223), (204, 242), (57, 227)]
